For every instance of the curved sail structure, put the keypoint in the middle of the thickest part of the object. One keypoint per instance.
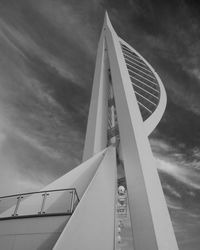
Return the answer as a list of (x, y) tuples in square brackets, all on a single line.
[(144, 82), (147, 85)]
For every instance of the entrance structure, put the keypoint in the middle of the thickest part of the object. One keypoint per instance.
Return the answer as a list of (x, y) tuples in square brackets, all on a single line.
[(128, 100)]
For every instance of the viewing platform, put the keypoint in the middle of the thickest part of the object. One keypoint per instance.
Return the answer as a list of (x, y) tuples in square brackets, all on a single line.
[(46, 203)]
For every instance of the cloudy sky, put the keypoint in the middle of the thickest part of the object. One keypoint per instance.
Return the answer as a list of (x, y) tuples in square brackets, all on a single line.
[(47, 56)]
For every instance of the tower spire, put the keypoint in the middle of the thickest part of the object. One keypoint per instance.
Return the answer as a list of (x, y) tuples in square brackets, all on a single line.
[(139, 102)]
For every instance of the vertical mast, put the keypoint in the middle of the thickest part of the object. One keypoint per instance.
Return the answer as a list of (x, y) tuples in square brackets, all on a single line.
[(96, 134)]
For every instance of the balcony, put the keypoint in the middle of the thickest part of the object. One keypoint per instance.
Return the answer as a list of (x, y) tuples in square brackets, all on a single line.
[(39, 204)]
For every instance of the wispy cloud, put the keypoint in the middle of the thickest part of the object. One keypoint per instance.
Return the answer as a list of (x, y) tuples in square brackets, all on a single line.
[(43, 101)]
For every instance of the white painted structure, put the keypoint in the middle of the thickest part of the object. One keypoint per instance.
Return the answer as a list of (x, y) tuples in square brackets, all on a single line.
[(128, 100)]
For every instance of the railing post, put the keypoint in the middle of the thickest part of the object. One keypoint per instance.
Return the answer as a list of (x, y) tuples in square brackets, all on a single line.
[(72, 201), (43, 203), (19, 198)]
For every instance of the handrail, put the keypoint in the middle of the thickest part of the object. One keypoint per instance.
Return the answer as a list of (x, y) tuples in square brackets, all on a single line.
[(35, 216)]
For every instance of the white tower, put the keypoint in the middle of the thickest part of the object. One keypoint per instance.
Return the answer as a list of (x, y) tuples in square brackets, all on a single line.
[(128, 100)]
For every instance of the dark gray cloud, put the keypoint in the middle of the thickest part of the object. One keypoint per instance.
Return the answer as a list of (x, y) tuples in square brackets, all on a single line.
[(44, 96)]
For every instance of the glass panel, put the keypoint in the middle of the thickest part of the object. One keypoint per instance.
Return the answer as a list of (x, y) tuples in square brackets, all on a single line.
[(6, 203), (31, 206), (58, 202)]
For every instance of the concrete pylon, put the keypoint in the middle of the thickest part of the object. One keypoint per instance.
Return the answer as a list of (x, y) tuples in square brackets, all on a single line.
[(92, 224)]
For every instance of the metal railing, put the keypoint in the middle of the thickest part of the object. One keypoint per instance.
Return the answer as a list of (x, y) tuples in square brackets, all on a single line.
[(43, 203)]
